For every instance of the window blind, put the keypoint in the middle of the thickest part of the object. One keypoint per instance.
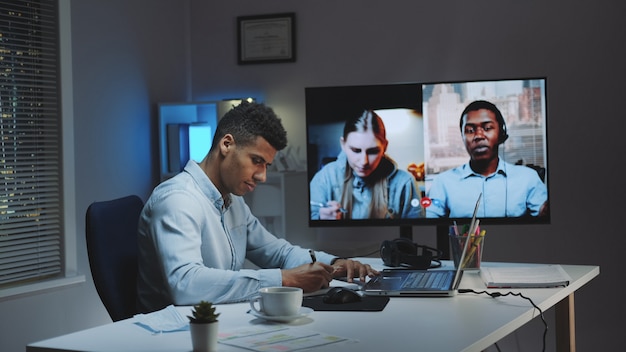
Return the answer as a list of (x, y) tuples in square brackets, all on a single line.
[(30, 142)]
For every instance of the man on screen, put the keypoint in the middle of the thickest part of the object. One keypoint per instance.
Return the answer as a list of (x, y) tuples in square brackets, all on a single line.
[(508, 190)]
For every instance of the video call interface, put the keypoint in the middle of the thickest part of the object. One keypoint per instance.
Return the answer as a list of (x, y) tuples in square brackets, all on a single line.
[(426, 139)]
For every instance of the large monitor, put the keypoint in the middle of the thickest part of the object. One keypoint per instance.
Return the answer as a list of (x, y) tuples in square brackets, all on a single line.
[(443, 145)]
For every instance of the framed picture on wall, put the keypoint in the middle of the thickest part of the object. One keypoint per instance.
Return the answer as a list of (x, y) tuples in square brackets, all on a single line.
[(266, 38)]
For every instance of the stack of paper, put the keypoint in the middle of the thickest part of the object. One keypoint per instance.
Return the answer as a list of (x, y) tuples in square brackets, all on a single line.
[(525, 276)]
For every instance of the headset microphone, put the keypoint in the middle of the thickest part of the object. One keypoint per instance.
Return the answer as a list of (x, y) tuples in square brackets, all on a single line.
[(483, 104)]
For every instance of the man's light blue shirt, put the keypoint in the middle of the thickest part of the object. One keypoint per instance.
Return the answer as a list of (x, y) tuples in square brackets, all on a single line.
[(327, 185), (511, 191), (193, 247)]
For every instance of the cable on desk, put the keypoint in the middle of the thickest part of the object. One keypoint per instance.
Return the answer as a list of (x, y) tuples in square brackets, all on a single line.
[(500, 294), (366, 254)]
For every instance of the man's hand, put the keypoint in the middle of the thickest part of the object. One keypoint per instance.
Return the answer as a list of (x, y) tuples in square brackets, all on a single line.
[(309, 277), (351, 268)]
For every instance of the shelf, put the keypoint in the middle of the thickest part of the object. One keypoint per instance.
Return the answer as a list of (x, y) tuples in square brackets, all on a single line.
[(206, 113), (281, 204)]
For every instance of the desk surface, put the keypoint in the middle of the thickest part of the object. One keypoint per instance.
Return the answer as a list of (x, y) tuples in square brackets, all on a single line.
[(477, 320)]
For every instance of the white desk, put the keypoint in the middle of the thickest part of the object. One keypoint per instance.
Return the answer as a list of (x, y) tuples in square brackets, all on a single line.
[(477, 320)]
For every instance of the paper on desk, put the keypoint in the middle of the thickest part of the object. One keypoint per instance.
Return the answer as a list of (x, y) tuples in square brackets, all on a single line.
[(535, 276), (167, 319), (278, 338)]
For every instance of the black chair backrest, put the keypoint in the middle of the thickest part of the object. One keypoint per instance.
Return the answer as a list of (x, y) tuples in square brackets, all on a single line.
[(111, 235)]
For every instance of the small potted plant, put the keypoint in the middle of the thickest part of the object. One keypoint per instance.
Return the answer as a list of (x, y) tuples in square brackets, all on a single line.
[(203, 326)]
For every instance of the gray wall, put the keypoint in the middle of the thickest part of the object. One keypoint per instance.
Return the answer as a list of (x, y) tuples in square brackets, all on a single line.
[(574, 44), (130, 55)]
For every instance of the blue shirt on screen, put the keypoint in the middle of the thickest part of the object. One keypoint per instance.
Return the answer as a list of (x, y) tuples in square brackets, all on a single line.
[(511, 191)]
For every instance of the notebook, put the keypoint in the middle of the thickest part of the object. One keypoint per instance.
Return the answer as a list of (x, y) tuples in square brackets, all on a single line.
[(420, 283)]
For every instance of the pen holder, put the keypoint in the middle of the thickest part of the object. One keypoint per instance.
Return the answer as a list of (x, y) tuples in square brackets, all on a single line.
[(474, 253)]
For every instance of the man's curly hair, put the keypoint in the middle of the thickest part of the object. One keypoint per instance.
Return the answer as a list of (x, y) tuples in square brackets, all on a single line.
[(247, 121)]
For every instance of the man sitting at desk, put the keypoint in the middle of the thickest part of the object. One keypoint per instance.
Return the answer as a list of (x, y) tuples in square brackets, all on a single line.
[(195, 230)]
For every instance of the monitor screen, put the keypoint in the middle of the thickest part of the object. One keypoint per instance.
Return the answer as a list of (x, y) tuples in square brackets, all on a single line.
[(421, 153)]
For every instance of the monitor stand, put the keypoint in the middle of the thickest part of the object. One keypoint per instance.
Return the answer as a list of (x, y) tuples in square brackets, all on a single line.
[(406, 231), (443, 239)]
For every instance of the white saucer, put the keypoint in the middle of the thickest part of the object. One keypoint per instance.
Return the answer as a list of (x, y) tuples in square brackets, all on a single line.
[(304, 311)]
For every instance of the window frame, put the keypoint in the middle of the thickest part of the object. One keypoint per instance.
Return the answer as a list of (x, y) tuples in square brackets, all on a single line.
[(70, 274)]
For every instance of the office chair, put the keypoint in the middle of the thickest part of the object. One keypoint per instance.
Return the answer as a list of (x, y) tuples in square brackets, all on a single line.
[(111, 234)]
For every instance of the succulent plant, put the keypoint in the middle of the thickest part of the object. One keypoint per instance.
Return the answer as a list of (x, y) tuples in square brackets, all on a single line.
[(203, 312)]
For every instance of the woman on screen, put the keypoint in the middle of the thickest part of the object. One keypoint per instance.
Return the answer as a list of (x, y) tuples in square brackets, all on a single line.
[(363, 183)]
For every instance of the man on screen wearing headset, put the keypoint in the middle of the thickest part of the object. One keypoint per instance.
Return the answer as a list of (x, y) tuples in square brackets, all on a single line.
[(508, 190)]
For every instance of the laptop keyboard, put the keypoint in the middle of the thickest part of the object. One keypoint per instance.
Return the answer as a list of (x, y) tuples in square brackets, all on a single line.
[(428, 280)]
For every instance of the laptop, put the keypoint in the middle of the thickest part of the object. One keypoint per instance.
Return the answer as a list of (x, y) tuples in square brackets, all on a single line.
[(420, 283)]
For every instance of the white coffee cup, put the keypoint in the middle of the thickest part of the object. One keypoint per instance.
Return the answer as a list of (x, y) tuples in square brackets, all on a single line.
[(278, 301)]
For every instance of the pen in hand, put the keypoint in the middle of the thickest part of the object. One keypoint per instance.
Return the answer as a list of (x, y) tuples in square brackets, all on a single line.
[(313, 258), (322, 205)]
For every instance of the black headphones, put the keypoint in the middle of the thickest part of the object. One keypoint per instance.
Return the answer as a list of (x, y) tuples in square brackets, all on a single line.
[(404, 252), (483, 104)]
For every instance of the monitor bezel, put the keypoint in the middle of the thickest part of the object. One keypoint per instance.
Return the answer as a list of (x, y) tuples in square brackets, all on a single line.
[(410, 222)]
